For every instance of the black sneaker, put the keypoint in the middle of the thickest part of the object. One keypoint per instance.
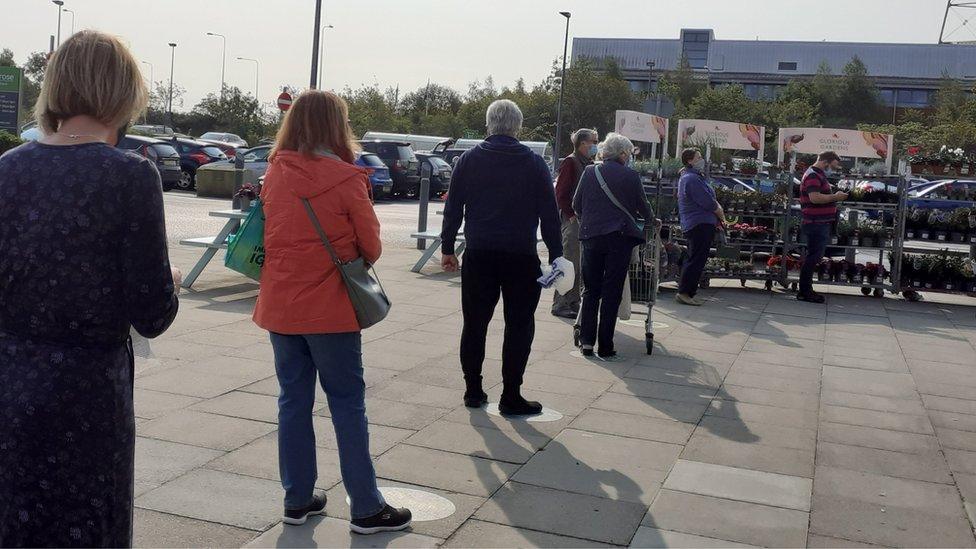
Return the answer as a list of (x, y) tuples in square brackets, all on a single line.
[(387, 520), (475, 400), (518, 407), (812, 297), (586, 351), (299, 516), (607, 355)]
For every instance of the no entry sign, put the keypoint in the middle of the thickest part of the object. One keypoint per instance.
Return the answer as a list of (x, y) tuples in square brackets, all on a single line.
[(284, 101)]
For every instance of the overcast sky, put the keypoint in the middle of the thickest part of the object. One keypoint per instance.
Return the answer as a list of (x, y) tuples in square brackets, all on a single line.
[(405, 42)]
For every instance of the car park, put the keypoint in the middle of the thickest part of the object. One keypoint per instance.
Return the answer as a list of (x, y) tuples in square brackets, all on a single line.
[(194, 154), (228, 149), (379, 175), (402, 162), (224, 137), (162, 154), (947, 194), (153, 130), (440, 173)]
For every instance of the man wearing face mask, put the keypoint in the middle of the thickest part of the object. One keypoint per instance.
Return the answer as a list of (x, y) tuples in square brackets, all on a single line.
[(818, 202), (700, 213), (570, 170)]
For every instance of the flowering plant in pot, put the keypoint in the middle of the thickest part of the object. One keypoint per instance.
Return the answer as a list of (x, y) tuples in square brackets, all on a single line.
[(836, 270), (247, 194), (959, 225), (939, 221), (822, 269), (844, 233), (871, 272), (887, 237), (916, 220), (868, 232), (749, 166)]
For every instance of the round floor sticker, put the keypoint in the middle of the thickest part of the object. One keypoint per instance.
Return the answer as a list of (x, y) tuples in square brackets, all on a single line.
[(548, 414), (425, 506), (638, 323)]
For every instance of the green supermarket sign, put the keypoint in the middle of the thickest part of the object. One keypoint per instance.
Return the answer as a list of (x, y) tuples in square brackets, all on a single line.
[(10, 99)]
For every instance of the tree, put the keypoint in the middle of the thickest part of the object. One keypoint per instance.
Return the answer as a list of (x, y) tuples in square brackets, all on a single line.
[(728, 102), (681, 85), (372, 109), (7, 58), (857, 95), (236, 112)]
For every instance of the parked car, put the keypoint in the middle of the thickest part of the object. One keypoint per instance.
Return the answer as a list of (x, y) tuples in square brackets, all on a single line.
[(161, 153), (948, 194), (402, 162), (731, 183), (194, 154), (224, 137), (440, 173), (255, 161), (153, 130), (229, 149), (379, 175)]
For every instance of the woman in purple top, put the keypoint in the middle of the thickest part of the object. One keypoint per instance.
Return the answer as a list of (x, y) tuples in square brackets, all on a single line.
[(700, 213)]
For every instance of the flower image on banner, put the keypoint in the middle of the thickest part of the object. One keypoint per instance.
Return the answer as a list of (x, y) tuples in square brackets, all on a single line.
[(720, 135), (850, 143), (639, 126)]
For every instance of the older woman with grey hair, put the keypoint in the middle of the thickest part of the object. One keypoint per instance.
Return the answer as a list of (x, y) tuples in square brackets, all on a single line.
[(612, 211), (502, 192)]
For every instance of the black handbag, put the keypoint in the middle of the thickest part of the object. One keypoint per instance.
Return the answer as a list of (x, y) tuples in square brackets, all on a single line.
[(369, 300)]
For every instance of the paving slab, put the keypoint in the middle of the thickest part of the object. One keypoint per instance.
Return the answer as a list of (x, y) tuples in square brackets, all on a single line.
[(928, 466), (767, 434), (481, 418), (869, 402), (154, 529), (651, 407), (159, 461), (888, 511), (488, 535), (749, 455), (332, 532), (664, 391), (759, 381), (883, 384), (908, 423), (260, 459), (680, 372), (952, 390), (740, 484), (445, 470), (197, 382), (483, 442), (635, 426), (961, 461), (206, 430), (152, 404), (216, 496), (563, 513), (947, 404), (882, 439), (655, 537), (589, 463), (244, 405), (746, 412), (726, 519), (766, 397), (580, 369), (827, 542)]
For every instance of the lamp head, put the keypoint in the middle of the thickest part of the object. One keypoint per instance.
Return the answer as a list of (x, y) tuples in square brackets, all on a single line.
[(566, 14), (58, 2), (172, 44)]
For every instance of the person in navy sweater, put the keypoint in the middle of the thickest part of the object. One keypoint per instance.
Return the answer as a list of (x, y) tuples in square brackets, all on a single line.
[(609, 230), (502, 192), (700, 213)]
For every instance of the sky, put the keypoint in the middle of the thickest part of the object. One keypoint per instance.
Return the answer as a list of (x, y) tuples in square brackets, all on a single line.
[(452, 42)]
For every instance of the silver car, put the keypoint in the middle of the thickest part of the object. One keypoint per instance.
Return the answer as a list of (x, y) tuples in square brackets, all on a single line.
[(223, 137), (255, 162)]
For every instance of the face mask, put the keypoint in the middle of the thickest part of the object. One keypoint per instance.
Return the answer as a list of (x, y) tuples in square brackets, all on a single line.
[(593, 150), (630, 161), (698, 164)]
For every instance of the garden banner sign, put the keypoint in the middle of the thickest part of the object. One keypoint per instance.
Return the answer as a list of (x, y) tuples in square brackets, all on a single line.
[(853, 143), (10, 80), (720, 135), (639, 126)]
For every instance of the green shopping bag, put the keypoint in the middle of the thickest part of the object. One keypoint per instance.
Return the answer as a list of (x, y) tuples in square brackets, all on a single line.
[(245, 250)]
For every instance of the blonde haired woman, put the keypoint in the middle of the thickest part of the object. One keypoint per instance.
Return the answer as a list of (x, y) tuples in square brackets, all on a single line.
[(304, 305), (82, 258)]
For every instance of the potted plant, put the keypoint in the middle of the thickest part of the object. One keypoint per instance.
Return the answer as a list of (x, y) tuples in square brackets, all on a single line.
[(959, 225), (888, 238), (836, 270), (939, 221), (871, 272), (247, 194), (868, 233), (749, 166), (844, 232), (822, 269)]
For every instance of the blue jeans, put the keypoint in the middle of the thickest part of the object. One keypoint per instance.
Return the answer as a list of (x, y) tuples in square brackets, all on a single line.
[(338, 360), (818, 234)]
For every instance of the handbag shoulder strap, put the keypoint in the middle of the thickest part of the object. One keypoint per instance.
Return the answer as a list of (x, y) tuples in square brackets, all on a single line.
[(613, 199), (321, 233)]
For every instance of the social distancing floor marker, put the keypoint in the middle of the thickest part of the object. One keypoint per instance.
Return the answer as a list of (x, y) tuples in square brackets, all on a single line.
[(638, 323), (424, 506), (548, 414)]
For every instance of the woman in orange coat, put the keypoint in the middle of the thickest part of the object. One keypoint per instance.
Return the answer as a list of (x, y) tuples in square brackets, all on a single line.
[(304, 304)]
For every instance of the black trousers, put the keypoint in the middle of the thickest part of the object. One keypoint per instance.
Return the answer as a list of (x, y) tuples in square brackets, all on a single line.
[(486, 275), (605, 262), (700, 239), (818, 234)]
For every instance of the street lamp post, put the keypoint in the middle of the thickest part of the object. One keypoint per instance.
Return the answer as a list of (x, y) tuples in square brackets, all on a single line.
[(257, 69), (223, 61), (145, 116), (66, 10), (316, 31), (172, 61), (321, 78), (59, 4), (562, 88)]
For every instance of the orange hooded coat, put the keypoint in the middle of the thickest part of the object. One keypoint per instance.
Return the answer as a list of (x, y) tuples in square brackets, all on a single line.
[(301, 290)]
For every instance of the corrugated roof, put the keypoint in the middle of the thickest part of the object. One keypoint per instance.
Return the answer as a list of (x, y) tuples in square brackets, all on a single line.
[(918, 61)]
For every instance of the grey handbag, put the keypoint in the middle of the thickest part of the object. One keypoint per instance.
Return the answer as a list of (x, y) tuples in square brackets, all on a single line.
[(368, 298)]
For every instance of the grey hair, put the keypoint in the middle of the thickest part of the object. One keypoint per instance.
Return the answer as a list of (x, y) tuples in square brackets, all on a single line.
[(582, 134), (504, 118), (614, 145)]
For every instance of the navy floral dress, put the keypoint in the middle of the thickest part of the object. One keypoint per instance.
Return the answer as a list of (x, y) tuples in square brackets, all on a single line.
[(82, 258)]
